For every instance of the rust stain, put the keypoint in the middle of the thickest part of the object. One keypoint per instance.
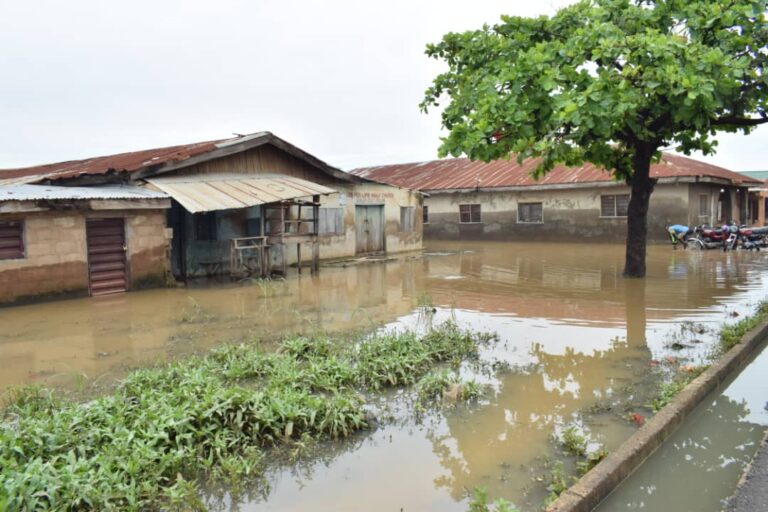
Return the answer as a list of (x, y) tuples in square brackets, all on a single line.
[(462, 173)]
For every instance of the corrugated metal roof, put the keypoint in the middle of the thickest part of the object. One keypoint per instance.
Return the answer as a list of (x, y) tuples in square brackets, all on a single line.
[(758, 175), (122, 162), (153, 161), (462, 173), (206, 193), (44, 192)]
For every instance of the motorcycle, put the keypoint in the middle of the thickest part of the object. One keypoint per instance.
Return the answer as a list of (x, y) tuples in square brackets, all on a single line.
[(706, 237), (728, 237)]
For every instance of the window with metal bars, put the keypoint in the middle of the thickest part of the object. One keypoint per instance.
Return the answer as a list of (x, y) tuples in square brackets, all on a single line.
[(614, 205), (532, 213), (470, 214)]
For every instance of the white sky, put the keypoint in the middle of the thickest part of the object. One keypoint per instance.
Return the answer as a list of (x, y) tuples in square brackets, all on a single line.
[(341, 79)]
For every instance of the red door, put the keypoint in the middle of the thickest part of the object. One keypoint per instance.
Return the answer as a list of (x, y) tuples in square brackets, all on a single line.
[(107, 269)]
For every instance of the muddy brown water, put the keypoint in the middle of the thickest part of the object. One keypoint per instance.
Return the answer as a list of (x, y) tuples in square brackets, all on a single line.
[(576, 338)]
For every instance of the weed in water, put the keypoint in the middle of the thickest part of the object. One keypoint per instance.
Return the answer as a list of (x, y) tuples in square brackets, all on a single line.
[(480, 503), (146, 444), (558, 482), (195, 314), (574, 442), (731, 334)]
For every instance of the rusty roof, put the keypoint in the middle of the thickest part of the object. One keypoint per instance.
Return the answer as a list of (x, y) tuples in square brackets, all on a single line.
[(462, 173), (141, 164)]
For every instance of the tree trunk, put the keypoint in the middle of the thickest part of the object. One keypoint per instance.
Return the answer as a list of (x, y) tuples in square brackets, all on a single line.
[(637, 213)]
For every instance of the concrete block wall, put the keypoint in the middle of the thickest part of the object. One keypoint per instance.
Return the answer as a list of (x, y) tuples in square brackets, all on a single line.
[(56, 260)]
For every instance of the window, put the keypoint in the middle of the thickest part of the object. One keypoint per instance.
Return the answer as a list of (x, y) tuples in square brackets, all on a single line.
[(530, 212), (11, 240), (425, 214), (406, 219), (205, 226), (703, 205), (614, 205), (331, 221), (469, 214)]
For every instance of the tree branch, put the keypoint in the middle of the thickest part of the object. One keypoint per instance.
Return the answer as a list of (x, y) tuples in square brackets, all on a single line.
[(739, 121)]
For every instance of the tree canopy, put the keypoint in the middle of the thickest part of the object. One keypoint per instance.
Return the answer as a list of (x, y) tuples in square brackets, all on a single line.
[(605, 81)]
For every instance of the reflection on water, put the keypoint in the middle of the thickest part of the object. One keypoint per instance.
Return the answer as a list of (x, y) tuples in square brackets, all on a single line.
[(699, 465), (576, 335)]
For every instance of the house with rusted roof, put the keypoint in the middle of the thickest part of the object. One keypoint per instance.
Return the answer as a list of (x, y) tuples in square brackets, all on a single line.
[(250, 205), (502, 199)]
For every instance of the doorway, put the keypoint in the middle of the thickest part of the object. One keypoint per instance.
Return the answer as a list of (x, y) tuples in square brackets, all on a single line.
[(369, 228), (107, 268)]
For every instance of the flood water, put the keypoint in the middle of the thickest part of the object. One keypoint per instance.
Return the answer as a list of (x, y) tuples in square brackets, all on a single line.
[(578, 341), (698, 467)]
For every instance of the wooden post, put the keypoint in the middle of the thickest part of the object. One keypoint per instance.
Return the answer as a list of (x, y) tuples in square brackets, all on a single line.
[(298, 257), (315, 255), (315, 232)]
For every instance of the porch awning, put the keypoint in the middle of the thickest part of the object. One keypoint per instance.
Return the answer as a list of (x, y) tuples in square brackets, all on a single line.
[(207, 193)]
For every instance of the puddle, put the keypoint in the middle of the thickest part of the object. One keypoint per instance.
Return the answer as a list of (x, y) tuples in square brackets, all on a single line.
[(698, 467), (576, 338)]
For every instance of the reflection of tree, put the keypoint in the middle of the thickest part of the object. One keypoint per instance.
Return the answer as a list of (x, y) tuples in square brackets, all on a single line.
[(584, 282), (697, 467), (515, 426)]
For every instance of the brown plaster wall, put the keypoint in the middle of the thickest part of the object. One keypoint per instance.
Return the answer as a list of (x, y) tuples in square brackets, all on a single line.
[(568, 214)]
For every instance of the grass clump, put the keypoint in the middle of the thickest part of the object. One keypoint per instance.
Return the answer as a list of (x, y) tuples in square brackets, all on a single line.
[(145, 445), (668, 390), (730, 335), (446, 384), (480, 503)]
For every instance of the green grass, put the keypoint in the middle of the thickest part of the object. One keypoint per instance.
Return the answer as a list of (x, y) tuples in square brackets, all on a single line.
[(732, 334), (143, 446)]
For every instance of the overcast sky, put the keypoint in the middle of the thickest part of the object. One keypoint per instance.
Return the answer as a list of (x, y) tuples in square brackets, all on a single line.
[(341, 79)]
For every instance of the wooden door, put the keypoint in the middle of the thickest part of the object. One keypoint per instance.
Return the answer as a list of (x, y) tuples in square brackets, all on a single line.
[(369, 224), (107, 268)]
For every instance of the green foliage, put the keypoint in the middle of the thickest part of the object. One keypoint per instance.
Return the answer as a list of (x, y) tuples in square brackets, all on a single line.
[(432, 385), (730, 335), (601, 78), (144, 445), (668, 390), (436, 384), (591, 460), (558, 482), (480, 503), (574, 442)]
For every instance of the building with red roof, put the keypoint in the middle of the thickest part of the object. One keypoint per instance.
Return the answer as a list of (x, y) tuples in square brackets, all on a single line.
[(249, 205), (503, 200)]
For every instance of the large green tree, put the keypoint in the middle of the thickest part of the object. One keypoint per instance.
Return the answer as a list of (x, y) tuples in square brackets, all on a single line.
[(610, 82)]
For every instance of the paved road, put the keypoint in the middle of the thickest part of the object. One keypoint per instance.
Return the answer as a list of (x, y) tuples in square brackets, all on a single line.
[(752, 494)]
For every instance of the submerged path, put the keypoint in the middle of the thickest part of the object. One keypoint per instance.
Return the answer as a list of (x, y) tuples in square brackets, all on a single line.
[(752, 494)]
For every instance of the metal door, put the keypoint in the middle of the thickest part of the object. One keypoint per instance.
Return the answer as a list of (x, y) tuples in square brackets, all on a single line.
[(369, 224), (107, 269)]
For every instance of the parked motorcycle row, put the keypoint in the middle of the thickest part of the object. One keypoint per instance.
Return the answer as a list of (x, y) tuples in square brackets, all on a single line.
[(727, 237)]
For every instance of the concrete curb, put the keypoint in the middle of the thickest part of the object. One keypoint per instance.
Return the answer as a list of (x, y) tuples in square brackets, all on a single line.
[(596, 485)]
